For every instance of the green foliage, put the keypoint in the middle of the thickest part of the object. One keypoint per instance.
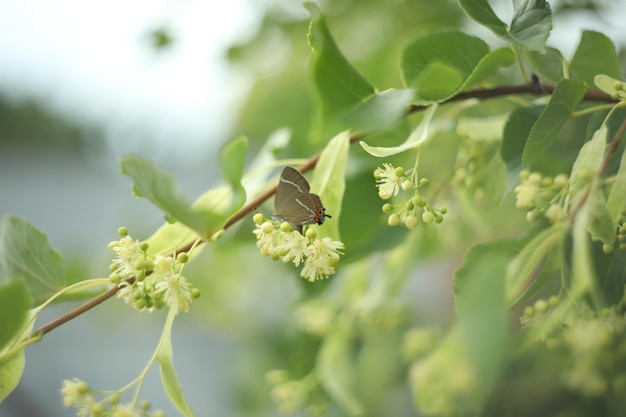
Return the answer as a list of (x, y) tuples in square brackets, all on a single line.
[(455, 148), (25, 252)]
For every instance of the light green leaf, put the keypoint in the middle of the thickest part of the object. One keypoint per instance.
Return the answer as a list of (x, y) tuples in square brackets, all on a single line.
[(415, 139), (532, 257), (337, 85), (595, 55), (335, 370), (530, 25), (379, 111), (600, 225), (583, 275), (11, 370), (15, 302), (567, 94), (610, 85), (329, 181), (588, 161), (479, 289), (205, 217), (170, 381), (615, 202), (26, 252), (488, 128)]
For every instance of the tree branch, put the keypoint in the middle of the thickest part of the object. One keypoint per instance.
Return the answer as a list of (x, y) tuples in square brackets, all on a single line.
[(535, 88)]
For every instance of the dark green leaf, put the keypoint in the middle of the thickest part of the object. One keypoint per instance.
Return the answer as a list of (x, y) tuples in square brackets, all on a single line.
[(337, 85), (566, 96), (479, 288), (15, 301), (25, 252), (595, 55), (516, 132), (548, 63), (600, 225), (588, 161), (437, 64), (530, 25)]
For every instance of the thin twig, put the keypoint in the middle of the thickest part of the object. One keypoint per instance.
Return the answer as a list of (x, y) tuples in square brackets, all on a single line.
[(534, 88)]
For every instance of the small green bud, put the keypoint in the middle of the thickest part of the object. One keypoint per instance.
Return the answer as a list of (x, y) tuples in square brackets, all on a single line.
[(115, 278), (114, 398), (535, 178), (182, 257), (113, 267), (438, 218), (407, 186), (258, 218), (96, 409), (553, 301), (541, 306), (529, 311), (418, 201), (139, 264), (618, 85), (387, 208), (195, 293), (607, 248), (267, 228), (560, 181), (411, 222), (82, 388), (144, 246), (149, 266), (378, 172), (145, 405), (274, 256), (122, 231), (443, 210), (524, 174), (310, 233), (428, 217), (334, 261), (140, 276), (393, 220), (424, 182), (399, 172), (285, 227)]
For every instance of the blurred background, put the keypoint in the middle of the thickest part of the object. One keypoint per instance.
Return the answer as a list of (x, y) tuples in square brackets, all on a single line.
[(83, 83)]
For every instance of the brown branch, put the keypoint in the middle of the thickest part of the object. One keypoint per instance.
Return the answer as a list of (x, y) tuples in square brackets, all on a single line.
[(534, 88)]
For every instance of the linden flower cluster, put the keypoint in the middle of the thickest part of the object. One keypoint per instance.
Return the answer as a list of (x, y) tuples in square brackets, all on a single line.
[(78, 394), (473, 169), (539, 194), (291, 395), (590, 344), (158, 280), (390, 181), (320, 256)]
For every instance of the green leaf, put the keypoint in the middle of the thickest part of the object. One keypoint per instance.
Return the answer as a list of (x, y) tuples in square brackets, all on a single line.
[(205, 216), (588, 161), (335, 371), (530, 25), (610, 85), (479, 288), (514, 137), (567, 94), (11, 370), (530, 259), (337, 85), (330, 181), (437, 64), (170, 381), (379, 111), (420, 135), (15, 302), (601, 225), (595, 55), (615, 202), (548, 63), (26, 252)]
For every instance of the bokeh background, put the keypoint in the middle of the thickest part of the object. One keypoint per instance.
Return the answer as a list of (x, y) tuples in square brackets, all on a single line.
[(84, 82)]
